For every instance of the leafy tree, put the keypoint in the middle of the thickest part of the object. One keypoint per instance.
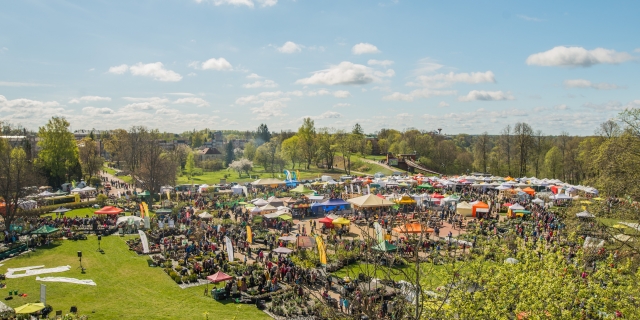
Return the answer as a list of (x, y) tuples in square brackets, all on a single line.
[(249, 150), (307, 141), (190, 165), (325, 141), (357, 129), (481, 149), (242, 165), (228, 154), (553, 162), (58, 150), (17, 174), (523, 134), (90, 158), (291, 151), (263, 135)]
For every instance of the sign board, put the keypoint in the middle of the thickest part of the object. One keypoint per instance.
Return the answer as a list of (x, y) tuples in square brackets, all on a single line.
[(43, 294)]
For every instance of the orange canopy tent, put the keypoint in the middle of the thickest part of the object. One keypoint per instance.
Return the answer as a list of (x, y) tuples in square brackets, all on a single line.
[(529, 190), (479, 205), (411, 228), (109, 210)]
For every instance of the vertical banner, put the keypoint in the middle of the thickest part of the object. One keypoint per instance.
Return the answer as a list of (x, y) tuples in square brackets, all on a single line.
[(379, 233), (168, 194), (321, 250), (227, 242), (345, 189), (43, 294), (144, 241), (368, 189), (359, 192), (141, 211), (351, 185), (249, 235)]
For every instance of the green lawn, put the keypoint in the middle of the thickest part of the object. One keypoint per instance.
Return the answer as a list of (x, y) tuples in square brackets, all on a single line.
[(127, 288), (81, 213), (109, 170), (258, 172)]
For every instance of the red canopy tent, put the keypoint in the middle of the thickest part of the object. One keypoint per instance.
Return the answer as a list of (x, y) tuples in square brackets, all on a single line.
[(380, 196), (109, 210), (328, 222), (554, 189), (437, 196), (219, 277)]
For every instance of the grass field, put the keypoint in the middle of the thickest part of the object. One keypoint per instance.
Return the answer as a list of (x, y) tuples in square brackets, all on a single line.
[(127, 288), (258, 172), (80, 213)]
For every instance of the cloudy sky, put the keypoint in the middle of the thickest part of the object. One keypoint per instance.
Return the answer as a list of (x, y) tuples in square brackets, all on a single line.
[(177, 65)]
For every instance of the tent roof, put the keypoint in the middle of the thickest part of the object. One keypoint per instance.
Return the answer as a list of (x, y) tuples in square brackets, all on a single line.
[(282, 250), (334, 202), (219, 277), (464, 205), (109, 210), (384, 246), (44, 230), (341, 221), (267, 182), (144, 193), (370, 201), (480, 204), (302, 189), (325, 220)]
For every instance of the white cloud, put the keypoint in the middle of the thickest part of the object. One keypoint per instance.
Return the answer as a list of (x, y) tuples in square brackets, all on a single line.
[(527, 18), (119, 69), (247, 3), (4, 49), (362, 48), (447, 79), (321, 92), (22, 84), (269, 109), (344, 73), (261, 84), (561, 107), (426, 65), (192, 100), (219, 64), (290, 47), (155, 70), (486, 96), (341, 94), (326, 115), (186, 94), (254, 76), (92, 69), (341, 105), (97, 111), (637, 50), (90, 98), (577, 57), (610, 106), (268, 96), (582, 83), (152, 103), (192, 74), (443, 104), (25, 105), (383, 63), (420, 93)]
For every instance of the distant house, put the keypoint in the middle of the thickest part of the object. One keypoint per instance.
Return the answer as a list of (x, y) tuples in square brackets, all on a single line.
[(209, 154)]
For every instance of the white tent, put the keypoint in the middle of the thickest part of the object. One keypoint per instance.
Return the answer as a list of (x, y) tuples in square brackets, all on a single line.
[(464, 208), (516, 207), (77, 190), (261, 202), (585, 214), (87, 188), (237, 189), (256, 210), (46, 194), (205, 215), (127, 218), (538, 201)]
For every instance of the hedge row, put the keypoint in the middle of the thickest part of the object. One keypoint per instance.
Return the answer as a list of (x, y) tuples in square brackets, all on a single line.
[(48, 209)]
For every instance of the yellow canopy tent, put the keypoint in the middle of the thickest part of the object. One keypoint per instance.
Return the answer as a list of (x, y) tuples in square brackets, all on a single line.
[(341, 221)]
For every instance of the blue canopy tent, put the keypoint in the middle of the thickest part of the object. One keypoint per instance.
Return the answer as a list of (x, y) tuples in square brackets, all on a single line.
[(330, 205)]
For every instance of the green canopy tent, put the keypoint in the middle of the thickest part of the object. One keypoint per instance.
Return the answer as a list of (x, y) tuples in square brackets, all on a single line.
[(44, 230), (163, 211), (302, 189), (285, 217), (384, 246), (425, 186)]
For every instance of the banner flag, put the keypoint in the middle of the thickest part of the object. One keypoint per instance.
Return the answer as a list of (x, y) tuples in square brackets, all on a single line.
[(379, 233), (321, 250), (249, 235), (227, 241)]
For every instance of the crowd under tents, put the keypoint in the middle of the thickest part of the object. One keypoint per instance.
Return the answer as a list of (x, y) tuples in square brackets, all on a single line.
[(370, 201)]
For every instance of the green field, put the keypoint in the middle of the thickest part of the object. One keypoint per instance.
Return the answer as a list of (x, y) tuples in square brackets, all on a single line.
[(80, 213), (213, 177), (127, 288)]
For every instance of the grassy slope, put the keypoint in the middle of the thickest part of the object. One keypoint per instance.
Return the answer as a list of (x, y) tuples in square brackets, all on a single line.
[(127, 288)]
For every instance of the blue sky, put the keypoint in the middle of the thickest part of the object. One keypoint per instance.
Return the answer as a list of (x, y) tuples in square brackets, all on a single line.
[(463, 66)]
